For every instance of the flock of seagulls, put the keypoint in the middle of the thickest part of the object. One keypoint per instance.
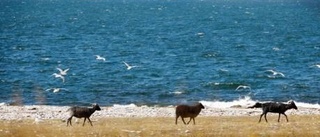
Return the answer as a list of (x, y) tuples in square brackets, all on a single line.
[(273, 74), (60, 75), (129, 67), (63, 72)]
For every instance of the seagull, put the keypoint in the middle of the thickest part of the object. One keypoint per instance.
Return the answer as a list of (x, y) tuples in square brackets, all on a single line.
[(63, 72), (55, 90), (128, 66), (58, 76), (244, 87), (100, 58), (200, 34), (275, 73), (317, 65)]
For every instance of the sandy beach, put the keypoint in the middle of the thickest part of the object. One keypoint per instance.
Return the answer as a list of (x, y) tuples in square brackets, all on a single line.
[(143, 121), (60, 112)]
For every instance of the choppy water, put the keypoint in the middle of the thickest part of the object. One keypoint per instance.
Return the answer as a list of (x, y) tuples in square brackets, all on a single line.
[(185, 50)]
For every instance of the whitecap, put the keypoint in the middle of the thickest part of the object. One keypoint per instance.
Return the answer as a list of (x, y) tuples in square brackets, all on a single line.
[(307, 105), (244, 102), (3, 104), (247, 101)]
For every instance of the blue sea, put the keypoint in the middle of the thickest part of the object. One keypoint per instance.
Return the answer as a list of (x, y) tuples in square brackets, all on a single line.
[(184, 51)]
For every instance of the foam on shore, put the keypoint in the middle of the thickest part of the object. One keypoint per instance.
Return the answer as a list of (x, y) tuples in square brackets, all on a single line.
[(247, 101)]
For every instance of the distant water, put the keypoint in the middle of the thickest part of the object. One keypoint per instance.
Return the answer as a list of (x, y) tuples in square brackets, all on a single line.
[(185, 50)]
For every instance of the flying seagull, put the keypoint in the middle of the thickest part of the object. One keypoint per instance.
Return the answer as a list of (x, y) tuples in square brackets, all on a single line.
[(317, 65), (58, 76), (98, 57), (55, 90), (63, 72), (243, 87), (275, 73), (129, 66)]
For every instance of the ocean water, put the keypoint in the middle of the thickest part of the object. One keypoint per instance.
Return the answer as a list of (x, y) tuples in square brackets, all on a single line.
[(185, 51)]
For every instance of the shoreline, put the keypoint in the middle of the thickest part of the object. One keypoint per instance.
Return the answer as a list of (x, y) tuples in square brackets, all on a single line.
[(60, 112)]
